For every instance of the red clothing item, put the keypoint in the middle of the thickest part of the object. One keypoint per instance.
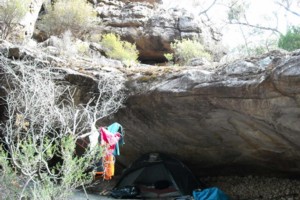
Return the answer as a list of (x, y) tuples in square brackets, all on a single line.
[(107, 138)]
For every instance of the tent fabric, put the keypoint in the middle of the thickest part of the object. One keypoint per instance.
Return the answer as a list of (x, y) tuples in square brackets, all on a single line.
[(159, 175), (117, 128), (210, 194)]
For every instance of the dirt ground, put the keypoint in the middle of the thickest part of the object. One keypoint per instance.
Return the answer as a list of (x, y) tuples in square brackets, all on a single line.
[(237, 187)]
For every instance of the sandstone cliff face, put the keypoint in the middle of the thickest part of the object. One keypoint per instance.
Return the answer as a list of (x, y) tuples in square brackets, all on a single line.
[(30, 18), (145, 23), (242, 118), (25, 28), (238, 118), (153, 28)]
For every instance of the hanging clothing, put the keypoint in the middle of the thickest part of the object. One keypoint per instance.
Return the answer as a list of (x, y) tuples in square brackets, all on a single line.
[(117, 128), (94, 139), (109, 166), (109, 139), (106, 167)]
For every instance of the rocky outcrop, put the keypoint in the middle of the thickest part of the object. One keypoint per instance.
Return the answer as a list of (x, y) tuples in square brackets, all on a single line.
[(143, 22), (31, 17), (26, 26), (153, 28), (241, 118)]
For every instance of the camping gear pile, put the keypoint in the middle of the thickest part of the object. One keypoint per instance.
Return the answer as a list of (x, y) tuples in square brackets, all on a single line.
[(159, 176), (152, 176), (156, 175)]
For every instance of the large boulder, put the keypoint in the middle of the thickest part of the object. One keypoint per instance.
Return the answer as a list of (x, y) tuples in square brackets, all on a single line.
[(241, 118), (152, 28)]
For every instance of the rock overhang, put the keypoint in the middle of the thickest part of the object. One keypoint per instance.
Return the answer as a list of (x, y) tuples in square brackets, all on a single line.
[(220, 123)]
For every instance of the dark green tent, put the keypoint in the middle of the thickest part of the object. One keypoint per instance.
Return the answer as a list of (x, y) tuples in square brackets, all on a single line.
[(156, 175)]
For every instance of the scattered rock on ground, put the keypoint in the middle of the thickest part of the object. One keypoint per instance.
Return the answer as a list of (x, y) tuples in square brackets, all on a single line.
[(256, 187)]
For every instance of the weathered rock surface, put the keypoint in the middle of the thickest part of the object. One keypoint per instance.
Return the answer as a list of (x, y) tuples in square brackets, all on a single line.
[(143, 22), (239, 118), (153, 28), (24, 29), (242, 118)]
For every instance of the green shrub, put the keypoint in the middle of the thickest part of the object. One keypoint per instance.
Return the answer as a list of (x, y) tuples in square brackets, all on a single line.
[(118, 49), (187, 49), (95, 37), (291, 40), (82, 48), (11, 13), (32, 159), (169, 57), (78, 16), (43, 123), (9, 180)]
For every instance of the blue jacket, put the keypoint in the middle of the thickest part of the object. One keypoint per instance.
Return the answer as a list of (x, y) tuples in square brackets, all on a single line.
[(117, 128)]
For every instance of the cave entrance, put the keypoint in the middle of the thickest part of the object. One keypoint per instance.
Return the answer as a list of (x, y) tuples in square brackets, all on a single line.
[(153, 61)]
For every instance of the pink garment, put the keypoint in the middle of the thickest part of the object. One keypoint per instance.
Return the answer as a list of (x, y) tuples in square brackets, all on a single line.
[(107, 138)]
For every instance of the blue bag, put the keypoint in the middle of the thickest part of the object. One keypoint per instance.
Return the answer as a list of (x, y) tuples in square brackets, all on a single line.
[(210, 194)]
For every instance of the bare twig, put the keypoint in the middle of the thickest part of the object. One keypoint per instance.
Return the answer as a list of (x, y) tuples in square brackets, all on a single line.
[(208, 8), (256, 26), (43, 121), (287, 8)]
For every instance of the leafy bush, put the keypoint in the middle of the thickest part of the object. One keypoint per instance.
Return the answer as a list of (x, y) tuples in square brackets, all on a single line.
[(11, 13), (43, 121), (95, 37), (9, 180), (291, 40), (31, 161), (66, 45), (69, 46), (169, 57), (120, 50), (187, 49), (78, 16), (82, 47)]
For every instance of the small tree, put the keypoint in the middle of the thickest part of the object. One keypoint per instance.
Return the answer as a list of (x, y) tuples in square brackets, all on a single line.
[(120, 50), (291, 40), (11, 13), (78, 16), (44, 122), (187, 49)]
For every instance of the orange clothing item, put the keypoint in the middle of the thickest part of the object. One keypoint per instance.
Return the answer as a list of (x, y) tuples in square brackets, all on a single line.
[(109, 167)]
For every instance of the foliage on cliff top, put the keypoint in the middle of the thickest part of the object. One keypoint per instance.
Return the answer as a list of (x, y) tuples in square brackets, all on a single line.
[(118, 49), (11, 13), (186, 49), (78, 16), (291, 40)]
